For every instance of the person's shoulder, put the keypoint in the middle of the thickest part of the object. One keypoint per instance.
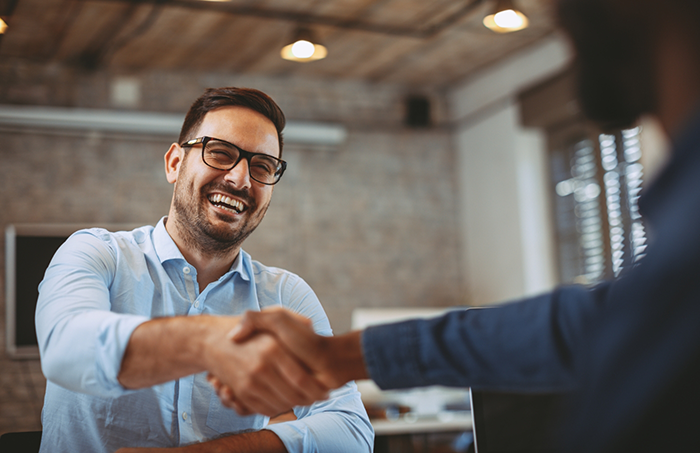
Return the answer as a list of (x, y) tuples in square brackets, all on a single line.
[(283, 287), (272, 275), (260, 270), (120, 239)]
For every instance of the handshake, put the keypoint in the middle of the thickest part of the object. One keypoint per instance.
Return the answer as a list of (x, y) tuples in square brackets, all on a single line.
[(273, 360)]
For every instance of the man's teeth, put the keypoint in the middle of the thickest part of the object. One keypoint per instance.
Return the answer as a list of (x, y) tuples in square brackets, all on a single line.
[(227, 203)]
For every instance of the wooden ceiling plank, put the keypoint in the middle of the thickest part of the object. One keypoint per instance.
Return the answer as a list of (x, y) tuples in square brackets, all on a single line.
[(385, 56), (434, 64), (246, 42), (35, 27), (400, 64), (438, 12), (417, 14), (350, 9), (165, 44), (355, 58), (94, 31), (227, 42), (204, 41)]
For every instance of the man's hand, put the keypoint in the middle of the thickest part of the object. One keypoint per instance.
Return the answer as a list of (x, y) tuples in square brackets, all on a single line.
[(260, 374), (333, 360)]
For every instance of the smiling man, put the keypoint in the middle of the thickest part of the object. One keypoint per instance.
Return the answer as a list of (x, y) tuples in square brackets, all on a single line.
[(129, 323)]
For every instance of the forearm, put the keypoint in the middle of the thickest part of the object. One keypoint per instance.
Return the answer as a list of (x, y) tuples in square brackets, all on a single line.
[(524, 346), (165, 349), (263, 441), (345, 360)]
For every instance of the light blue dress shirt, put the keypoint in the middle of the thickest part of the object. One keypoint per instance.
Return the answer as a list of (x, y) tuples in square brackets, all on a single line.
[(99, 287)]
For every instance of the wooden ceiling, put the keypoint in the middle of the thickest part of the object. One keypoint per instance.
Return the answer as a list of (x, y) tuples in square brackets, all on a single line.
[(432, 43)]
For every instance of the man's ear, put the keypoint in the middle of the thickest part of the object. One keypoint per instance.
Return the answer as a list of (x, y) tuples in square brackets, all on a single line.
[(173, 160)]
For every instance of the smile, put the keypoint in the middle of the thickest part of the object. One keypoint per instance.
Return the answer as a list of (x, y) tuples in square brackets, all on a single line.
[(227, 203)]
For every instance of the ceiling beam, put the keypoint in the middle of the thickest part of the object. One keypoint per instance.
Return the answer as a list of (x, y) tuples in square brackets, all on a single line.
[(311, 19)]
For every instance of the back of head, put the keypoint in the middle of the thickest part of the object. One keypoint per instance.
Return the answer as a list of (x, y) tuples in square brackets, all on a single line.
[(615, 43), (214, 98)]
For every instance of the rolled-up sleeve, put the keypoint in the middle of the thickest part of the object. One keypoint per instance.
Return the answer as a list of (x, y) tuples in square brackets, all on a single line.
[(339, 424), (80, 340)]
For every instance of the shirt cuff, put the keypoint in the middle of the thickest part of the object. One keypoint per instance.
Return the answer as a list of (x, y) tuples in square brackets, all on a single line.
[(113, 339)]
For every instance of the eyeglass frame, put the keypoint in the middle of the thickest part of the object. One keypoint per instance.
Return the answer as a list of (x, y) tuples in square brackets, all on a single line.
[(242, 154)]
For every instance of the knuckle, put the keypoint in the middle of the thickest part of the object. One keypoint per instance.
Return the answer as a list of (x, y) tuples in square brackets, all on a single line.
[(300, 379), (260, 368)]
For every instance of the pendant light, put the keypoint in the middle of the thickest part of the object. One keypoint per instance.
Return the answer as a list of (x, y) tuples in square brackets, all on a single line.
[(304, 47), (506, 18)]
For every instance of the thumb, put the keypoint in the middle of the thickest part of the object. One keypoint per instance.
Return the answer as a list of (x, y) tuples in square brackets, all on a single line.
[(294, 331), (244, 329), (254, 321)]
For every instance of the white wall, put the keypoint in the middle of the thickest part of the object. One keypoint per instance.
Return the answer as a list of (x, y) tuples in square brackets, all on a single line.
[(506, 231)]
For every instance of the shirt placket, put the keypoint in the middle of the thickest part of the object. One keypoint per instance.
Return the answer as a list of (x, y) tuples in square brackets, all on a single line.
[(186, 384)]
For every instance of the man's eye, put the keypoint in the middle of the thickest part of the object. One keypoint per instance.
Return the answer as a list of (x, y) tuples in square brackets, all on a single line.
[(220, 154), (264, 166)]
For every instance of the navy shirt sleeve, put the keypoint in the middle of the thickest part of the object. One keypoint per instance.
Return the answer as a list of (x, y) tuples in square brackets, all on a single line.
[(519, 346)]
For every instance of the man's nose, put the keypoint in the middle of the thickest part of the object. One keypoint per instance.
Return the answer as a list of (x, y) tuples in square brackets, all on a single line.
[(239, 175)]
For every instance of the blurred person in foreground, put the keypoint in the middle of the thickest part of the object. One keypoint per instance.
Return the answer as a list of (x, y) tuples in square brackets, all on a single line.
[(628, 350), (129, 323)]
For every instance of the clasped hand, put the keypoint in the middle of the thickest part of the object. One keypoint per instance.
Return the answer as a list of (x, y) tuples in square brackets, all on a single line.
[(282, 363)]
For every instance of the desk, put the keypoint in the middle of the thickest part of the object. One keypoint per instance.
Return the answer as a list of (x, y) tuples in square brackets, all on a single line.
[(444, 422), (412, 434), (437, 416)]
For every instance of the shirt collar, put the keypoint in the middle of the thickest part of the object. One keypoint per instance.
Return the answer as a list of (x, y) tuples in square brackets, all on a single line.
[(167, 250), (164, 244), (242, 264)]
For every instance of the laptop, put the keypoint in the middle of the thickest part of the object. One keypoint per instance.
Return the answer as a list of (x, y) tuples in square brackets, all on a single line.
[(515, 422)]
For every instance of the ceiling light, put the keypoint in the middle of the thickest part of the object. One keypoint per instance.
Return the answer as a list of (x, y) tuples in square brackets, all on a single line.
[(3, 26), (304, 47), (506, 18)]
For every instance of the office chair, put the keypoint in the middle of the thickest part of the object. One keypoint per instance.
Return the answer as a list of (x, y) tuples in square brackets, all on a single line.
[(21, 442)]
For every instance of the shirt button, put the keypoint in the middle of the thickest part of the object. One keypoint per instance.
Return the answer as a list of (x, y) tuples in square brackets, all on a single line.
[(184, 415), (186, 270), (196, 304)]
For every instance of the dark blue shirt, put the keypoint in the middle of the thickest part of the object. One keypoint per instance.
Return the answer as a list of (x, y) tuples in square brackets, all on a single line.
[(628, 350)]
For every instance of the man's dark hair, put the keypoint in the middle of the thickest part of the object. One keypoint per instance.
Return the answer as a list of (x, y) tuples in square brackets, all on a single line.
[(214, 98)]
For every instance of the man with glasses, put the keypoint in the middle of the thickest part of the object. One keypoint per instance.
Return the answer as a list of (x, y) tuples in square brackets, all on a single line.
[(131, 323)]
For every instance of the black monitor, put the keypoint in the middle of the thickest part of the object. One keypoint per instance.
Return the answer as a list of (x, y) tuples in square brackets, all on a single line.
[(28, 252), (515, 422)]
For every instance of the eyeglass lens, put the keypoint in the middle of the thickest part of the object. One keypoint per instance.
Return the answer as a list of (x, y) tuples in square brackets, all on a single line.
[(223, 156)]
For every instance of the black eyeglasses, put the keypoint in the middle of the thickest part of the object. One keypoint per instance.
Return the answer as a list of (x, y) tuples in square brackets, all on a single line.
[(222, 155)]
